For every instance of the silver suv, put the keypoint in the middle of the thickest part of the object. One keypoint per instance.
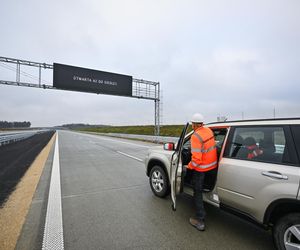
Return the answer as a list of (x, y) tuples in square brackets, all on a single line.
[(258, 173)]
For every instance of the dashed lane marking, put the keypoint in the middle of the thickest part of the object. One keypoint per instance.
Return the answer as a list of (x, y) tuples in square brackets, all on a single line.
[(130, 156), (117, 141), (53, 232)]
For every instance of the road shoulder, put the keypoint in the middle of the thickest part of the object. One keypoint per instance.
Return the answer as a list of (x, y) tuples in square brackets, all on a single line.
[(14, 212)]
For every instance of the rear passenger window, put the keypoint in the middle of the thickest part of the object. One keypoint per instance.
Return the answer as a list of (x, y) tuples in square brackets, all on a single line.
[(296, 136), (266, 144)]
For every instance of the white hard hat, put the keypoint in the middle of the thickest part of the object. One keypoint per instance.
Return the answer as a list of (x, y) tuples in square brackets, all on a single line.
[(197, 118)]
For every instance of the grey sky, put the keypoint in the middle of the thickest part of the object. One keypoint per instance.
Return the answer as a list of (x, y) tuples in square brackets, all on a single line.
[(214, 57)]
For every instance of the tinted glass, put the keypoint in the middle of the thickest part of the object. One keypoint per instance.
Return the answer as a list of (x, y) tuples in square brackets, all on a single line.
[(266, 144), (187, 144), (296, 136), (219, 136)]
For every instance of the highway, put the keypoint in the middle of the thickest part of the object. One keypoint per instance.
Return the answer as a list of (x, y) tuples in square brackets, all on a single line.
[(107, 203)]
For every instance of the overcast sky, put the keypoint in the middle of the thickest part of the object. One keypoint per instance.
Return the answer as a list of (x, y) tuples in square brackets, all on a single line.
[(213, 57)]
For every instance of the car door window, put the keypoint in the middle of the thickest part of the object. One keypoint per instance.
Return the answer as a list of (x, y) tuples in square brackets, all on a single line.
[(296, 136), (186, 152), (220, 134), (187, 144), (265, 144)]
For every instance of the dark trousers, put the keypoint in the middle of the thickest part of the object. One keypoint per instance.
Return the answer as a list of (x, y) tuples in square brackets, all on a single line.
[(198, 180)]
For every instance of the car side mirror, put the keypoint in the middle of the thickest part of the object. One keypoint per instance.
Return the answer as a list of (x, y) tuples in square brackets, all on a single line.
[(170, 146)]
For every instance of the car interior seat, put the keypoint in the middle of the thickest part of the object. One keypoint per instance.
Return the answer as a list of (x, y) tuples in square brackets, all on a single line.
[(238, 144), (244, 151), (268, 148)]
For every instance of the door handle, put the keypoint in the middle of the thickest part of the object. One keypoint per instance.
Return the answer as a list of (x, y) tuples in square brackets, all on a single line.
[(275, 175)]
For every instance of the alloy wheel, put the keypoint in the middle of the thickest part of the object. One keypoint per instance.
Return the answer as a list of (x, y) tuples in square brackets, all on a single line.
[(292, 238), (157, 181)]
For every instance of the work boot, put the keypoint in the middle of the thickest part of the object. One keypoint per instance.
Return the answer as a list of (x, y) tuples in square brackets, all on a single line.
[(199, 224)]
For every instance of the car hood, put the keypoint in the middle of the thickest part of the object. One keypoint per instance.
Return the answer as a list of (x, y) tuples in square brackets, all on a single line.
[(160, 149)]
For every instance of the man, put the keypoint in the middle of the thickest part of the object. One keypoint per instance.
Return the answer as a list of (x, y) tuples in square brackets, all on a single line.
[(204, 158)]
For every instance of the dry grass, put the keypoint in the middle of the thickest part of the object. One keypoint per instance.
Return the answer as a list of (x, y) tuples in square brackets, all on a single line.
[(166, 130)]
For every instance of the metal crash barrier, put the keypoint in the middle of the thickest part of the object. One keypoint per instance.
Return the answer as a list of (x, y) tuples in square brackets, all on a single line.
[(17, 136)]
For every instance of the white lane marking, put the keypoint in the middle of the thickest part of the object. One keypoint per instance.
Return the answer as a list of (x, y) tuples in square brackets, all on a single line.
[(101, 137), (104, 138), (129, 143), (130, 156), (53, 232)]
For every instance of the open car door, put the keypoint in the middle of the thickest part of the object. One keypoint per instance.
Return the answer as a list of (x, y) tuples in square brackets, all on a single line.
[(176, 168)]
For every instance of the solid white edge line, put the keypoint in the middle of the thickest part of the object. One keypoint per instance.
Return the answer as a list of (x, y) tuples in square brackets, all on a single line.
[(53, 232), (130, 156)]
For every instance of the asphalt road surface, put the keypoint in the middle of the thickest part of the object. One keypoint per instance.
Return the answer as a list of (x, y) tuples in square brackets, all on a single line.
[(107, 203), (16, 158)]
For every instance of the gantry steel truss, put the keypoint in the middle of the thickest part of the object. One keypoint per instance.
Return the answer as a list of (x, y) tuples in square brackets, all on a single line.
[(141, 89)]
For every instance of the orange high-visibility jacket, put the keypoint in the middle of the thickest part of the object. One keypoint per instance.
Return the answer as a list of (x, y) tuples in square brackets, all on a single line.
[(204, 151)]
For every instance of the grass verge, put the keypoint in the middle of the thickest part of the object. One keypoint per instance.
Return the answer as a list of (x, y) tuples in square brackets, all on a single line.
[(166, 130)]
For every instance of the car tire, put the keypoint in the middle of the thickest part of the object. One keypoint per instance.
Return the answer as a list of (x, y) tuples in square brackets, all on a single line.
[(286, 232), (159, 181)]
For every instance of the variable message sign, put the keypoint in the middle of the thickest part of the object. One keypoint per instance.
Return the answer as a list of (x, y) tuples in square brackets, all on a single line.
[(87, 80)]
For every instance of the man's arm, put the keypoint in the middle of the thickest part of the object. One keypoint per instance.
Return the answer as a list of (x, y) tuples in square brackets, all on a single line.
[(196, 156)]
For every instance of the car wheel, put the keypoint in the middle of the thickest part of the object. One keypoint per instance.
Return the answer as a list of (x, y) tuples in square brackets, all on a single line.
[(286, 232), (159, 181)]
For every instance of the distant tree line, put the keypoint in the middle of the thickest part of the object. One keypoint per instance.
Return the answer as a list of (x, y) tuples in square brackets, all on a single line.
[(5, 124)]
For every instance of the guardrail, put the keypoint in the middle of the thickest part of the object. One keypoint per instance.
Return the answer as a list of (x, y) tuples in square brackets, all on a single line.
[(149, 138), (19, 136)]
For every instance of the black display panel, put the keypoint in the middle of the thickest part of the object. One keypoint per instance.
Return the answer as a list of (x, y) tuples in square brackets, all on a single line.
[(88, 80)]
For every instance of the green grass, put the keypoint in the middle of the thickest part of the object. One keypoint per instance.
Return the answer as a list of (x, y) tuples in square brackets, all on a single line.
[(166, 130)]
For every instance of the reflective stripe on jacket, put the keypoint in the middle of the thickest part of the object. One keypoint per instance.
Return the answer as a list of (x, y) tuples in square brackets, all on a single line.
[(204, 152)]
